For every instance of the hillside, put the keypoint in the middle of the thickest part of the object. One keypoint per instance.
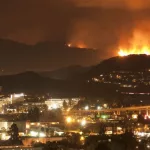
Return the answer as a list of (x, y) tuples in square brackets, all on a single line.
[(36, 83), (66, 72), (30, 82), (19, 57), (23, 82), (129, 63)]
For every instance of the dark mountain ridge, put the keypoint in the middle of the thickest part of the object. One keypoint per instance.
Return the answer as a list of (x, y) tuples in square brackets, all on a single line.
[(27, 81), (33, 82), (20, 57), (118, 63), (66, 72)]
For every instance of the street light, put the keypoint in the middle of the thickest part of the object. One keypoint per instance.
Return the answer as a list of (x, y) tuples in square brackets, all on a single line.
[(86, 107), (98, 107), (105, 105), (69, 119), (83, 122), (134, 116)]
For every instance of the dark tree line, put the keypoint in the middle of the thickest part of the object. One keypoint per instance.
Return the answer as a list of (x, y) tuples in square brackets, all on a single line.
[(14, 135), (34, 114)]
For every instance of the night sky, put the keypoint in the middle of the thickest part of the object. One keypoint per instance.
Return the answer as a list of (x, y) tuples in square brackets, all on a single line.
[(103, 25)]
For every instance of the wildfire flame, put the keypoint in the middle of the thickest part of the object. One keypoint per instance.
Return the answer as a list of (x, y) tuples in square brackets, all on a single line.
[(144, 50)]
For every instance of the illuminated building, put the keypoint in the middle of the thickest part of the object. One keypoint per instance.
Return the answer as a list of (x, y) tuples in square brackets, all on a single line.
[(15, 98), (20, 148), (55, 103), (12, 99)]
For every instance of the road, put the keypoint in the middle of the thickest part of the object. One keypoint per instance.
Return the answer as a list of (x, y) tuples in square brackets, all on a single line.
[(133, 108)]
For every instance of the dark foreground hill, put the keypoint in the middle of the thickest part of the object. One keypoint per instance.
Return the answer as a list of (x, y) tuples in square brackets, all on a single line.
[(35, 83), (19, 57), (66, 72), (25, 82), (127, 63), (30, 82)]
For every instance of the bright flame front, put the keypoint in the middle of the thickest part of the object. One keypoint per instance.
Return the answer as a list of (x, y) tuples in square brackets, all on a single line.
[(144, 50)]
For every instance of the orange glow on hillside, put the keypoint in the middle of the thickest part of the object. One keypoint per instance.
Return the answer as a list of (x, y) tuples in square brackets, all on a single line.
[(138, 44), (144, 50), (78, 45)]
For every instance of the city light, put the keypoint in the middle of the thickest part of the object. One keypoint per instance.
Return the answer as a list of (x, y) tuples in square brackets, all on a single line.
[(42, 134), (27, 125), (105, 105), (147, 117), (134, 116), (83, 122), (148, 146), (60, 133), (3, 136), (68, 109), (104, 116), (33, 133), (69, 119), (86, 108), (18, 95), (54, 106), (98, 107), (82, 138)]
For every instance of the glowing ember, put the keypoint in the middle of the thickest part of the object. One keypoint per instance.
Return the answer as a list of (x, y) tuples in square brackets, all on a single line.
[(144, 50), (78, 45), (69, 44), (81, 46)]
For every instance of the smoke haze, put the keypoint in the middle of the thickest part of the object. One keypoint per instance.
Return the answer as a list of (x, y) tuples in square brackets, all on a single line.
[(104, 25)]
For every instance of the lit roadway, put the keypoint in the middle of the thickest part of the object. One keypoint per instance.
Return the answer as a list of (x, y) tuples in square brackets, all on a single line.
[(133, 108)]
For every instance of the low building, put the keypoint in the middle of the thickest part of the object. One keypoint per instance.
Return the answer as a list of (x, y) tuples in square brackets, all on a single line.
[(5, 125), (20, 148), (54, 103), (16, 98), (30, 140)]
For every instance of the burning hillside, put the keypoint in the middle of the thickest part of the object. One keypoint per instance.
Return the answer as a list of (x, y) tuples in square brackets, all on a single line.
[(138, 44), (144, 50)]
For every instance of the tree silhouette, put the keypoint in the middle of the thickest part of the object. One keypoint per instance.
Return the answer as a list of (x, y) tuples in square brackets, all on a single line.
[(102, 129), (70, 102), (34, 114), (65, 105), (102, 146), (14, 135), (14, 132)]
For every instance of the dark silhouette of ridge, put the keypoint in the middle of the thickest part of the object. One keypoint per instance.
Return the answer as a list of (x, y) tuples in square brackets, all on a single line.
[(19, 57), (78, 85), (66, 72), (127, 63)]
